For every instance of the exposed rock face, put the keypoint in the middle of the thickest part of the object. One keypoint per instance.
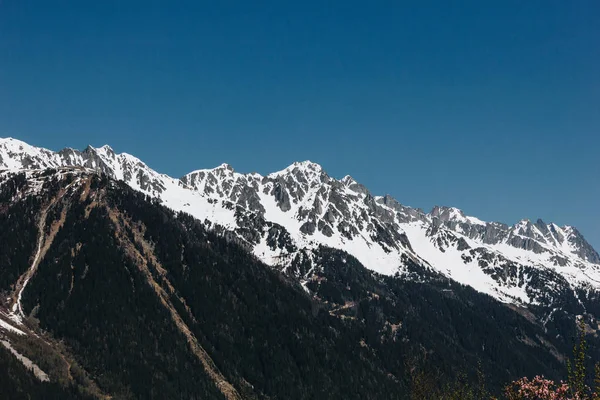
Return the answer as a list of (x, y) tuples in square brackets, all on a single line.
[(301, 208), (195, 298)]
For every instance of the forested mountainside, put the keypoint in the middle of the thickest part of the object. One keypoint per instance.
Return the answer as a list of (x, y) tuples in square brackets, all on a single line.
[(110, 294), (291, 213)]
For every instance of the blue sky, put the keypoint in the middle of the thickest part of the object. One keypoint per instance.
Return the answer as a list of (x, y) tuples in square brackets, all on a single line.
[(490, 106)]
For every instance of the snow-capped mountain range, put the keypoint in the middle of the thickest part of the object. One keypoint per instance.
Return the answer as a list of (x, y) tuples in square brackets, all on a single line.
[(283, 216)]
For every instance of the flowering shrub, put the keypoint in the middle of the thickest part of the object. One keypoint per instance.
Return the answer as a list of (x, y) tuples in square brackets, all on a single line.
[(539, 388)]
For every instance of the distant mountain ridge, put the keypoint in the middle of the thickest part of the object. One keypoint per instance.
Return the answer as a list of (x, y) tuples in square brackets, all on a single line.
[(112, 295), (286, 215)]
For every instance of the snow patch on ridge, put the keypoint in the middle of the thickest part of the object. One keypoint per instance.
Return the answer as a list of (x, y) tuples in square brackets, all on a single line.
[(6, 326), (316, 209), (451, 263)]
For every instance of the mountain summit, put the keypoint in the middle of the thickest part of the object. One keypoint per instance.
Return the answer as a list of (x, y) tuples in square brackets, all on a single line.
[(287, 215), (244, 285)]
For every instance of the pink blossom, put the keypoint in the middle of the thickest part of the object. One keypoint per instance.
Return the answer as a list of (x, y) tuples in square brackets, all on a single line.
[(539, 388)]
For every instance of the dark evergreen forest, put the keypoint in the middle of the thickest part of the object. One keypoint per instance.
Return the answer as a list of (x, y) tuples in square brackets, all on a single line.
[(358, 336)]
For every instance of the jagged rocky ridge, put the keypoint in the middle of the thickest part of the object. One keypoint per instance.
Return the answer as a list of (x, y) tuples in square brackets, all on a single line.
[(287, 215), (115, 296)]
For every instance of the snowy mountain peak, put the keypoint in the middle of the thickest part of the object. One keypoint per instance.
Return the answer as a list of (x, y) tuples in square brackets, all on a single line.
[(348, 180), (16, 154), (287, 213), (454, 214), (107, 151), (225, 166), (307, 164), (217, 169), (302, 167), (8, 140)]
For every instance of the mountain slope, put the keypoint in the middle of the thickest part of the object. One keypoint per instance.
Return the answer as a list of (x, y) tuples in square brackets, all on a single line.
[(144, 331), (150, 304), (301, 208)]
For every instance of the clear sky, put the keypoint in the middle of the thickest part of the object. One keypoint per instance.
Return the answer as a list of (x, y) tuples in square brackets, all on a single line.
[(490, 106)]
